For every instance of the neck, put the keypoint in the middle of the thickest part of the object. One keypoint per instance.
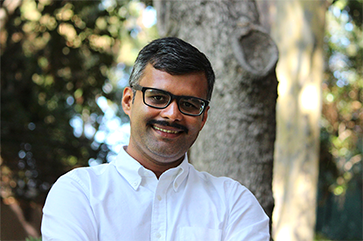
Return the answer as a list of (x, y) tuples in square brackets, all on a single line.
[(158, 167)]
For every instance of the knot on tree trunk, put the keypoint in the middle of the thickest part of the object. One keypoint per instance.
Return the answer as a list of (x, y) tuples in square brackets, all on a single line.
[(254, 49)]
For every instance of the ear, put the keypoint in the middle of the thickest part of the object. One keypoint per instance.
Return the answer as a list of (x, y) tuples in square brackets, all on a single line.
[(204, 117), (126, 101)]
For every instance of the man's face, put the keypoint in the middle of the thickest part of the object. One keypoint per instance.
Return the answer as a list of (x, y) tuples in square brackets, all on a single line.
[(162, 136)]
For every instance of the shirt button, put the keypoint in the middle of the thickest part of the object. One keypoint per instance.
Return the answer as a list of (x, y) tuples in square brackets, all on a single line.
[(158, 235), (158, 197)]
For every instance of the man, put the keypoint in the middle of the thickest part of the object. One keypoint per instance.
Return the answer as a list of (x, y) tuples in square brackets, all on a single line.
[(151, 192)]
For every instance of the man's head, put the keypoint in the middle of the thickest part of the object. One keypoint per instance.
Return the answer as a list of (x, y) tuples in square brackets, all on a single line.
[(167, 102), (175, 57)]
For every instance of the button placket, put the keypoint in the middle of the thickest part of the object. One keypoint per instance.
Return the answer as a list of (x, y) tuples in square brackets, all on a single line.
[(159, 219)]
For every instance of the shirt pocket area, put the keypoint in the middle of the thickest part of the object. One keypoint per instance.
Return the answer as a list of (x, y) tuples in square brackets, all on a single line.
[(199, 234)]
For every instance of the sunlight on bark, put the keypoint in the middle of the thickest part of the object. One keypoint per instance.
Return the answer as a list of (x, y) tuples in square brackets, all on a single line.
[(299, 32)]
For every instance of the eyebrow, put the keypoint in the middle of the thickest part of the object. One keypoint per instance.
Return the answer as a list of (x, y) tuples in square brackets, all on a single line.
[(188, 96)]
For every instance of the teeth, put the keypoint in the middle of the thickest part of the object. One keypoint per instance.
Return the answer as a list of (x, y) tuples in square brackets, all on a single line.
[(167, 131)]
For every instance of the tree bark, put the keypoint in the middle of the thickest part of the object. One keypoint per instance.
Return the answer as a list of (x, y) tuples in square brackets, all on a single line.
[(297, 26), (238, 139)]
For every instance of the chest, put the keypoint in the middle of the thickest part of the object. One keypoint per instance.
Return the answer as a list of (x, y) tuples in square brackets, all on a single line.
[(160, 214)]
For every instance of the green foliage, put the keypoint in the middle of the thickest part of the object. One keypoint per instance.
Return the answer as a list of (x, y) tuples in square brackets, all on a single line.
[(342, 92), (320, 237), (33, 239), (355, 9), (342, 120), (57, 59)]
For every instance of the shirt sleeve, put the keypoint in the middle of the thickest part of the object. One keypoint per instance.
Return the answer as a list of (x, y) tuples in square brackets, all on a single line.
[(247, 220), (67, 214)]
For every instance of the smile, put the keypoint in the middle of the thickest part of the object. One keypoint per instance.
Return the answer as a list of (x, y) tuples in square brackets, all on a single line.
[(166, 131)]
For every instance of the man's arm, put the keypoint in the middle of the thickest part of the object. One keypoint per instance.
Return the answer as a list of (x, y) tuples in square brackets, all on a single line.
[(247, 219), (67, 214)]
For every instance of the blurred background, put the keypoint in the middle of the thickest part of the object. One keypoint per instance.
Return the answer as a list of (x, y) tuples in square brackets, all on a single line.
[(64, 65)]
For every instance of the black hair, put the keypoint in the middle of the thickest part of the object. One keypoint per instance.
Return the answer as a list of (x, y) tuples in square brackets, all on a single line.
[(175, 57)]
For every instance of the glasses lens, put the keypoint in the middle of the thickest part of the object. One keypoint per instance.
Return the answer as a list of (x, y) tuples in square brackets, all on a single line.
[(191, 106), (156, 98)]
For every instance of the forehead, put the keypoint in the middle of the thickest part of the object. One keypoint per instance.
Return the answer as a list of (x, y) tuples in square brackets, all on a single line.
[(193, 84)]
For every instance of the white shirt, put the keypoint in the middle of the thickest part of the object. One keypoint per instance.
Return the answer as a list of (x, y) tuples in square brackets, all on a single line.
[(124, 201)]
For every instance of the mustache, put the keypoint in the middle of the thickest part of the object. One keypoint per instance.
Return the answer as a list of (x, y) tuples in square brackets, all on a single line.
[(165, 123)]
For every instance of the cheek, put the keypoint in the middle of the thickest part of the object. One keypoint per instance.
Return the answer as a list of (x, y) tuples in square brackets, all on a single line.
[(142, 113), (195, 126)]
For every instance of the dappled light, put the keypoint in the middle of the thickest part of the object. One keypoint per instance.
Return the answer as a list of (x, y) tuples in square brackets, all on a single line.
[(309, 98), (342, 107), (339, 96), (62, 59), (340, 178), (65, 64), (299, 70)]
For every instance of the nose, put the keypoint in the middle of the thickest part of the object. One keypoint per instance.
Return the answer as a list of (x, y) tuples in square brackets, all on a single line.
[(172, 112)]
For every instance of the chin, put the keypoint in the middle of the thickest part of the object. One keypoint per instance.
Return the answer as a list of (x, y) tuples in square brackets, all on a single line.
[(168, 156)]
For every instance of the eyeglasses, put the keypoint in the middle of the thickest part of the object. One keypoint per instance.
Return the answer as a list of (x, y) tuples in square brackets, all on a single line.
[(160, 99)]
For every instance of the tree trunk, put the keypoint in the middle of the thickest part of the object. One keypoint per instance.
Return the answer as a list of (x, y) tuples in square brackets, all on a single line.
[(297, 26), (238, 139)]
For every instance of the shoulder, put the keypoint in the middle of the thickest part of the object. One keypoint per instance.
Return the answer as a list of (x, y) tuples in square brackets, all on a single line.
[(246, 218), (85, 176), (89, 171), (227, 188), (83, 172), (221, 182)]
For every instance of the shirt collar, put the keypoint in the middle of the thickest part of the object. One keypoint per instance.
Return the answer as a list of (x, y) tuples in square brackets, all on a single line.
[(128, 167), (177, 174), (133, 171), (181, 174)]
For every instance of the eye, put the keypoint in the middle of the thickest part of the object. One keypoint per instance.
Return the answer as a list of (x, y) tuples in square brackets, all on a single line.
[(156, 98), (191, 104)]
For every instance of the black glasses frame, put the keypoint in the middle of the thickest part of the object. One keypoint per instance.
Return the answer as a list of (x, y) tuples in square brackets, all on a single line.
[(172, 97)]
